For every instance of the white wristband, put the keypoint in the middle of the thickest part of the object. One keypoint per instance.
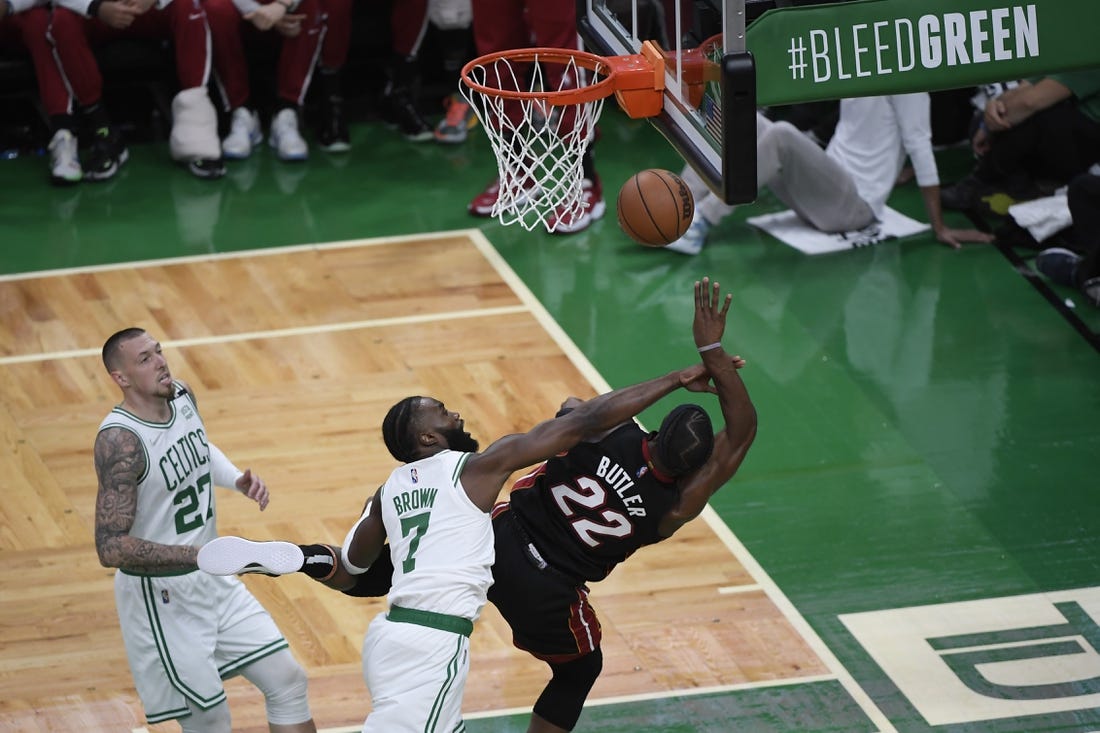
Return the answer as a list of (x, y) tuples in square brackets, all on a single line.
[(222, 470), (349, 566), (709, 347)]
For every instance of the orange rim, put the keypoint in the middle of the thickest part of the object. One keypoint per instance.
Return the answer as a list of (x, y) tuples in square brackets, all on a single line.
[(715, 40), (589, 93)]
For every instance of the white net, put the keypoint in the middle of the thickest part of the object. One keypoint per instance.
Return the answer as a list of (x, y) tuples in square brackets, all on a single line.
[(539, 144)]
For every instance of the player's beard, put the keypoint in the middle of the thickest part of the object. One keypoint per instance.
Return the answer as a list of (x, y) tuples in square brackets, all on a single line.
[(458, 439), (167, 391)]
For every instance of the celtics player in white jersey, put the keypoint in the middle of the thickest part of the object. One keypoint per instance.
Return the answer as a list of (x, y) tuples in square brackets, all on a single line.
[(184, 631), (434, 510)]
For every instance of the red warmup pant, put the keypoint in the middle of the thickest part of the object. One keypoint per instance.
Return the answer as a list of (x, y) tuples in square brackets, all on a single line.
[(182, 21), (30, 30), (334, 51), (408, 23), (296, 57), (500, 25)]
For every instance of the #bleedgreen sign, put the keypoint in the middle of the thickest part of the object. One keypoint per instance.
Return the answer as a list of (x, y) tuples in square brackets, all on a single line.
[(871, 47)]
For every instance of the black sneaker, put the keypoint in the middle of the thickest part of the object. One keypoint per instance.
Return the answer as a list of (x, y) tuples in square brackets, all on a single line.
[(105, 155), (1059, 265), (965, 194), (207, 168), (973, 194), (400, 112), (332, 135)]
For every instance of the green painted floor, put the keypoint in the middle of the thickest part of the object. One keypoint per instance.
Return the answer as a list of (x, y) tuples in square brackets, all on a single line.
[(928, 419)]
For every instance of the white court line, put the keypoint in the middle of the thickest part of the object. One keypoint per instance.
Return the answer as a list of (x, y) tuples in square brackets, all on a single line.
[(284, 332), (797, 621), (730, 590), (242, 254), (580, 361), (585, 367)]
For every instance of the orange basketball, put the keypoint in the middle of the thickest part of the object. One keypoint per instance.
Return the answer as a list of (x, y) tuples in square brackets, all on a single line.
[(655, 207)]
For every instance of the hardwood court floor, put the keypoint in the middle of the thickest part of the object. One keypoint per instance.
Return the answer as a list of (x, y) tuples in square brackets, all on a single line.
[(295, 355), (928, 432)]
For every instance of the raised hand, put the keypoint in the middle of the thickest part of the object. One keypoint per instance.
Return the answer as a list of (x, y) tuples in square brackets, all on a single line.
[(710, 313)]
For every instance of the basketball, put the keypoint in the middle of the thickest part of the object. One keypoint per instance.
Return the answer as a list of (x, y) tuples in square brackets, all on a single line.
[(655, 207)]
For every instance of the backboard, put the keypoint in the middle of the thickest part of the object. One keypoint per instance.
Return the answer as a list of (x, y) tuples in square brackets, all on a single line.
[(709, 112)]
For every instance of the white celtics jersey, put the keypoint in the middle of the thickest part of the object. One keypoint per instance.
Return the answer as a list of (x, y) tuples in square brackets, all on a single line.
[(441, 543), (175, 495)]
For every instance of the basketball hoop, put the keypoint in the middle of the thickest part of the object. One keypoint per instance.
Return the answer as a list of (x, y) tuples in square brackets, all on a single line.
[(539, 107)]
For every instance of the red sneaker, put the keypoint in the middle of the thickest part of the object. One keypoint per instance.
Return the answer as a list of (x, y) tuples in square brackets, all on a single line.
[(564, 222), (483, 203)]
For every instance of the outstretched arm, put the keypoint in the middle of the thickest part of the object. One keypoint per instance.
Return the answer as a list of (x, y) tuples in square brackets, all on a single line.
[(732, 443), (364, 542), (486, 472), (323, 564)]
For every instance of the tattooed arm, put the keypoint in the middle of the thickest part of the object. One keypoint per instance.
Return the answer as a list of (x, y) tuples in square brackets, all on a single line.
[(119, 463)]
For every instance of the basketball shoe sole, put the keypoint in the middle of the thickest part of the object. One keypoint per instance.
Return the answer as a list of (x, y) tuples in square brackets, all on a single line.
[(238, 556)]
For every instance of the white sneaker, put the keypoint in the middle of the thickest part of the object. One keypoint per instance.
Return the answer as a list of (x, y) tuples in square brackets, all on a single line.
[(285, 138), (694, 238), (244, 134), (64, 159), (238, 556)]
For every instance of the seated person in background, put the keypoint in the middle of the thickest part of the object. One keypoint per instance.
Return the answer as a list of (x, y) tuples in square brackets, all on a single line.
[(1046, 130), (193, 141), (1079, 269), (25, 24), (300, 23), (332, 128), (844, 187)]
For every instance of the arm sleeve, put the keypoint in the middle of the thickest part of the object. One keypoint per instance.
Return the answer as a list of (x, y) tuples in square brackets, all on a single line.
[(348, 565), (222, 470), (914, 115)]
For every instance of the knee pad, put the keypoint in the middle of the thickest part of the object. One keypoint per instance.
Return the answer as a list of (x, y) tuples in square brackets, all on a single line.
[(212, 720), (283, 682), (194, 127), (563, 698)]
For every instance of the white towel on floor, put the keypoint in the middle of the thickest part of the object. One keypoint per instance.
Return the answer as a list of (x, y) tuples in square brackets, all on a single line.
[(1043, 217), (787, 227)]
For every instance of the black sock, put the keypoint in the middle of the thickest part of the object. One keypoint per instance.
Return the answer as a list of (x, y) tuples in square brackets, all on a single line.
[(588, 165), (95, 116), (320, 561), (62, 122), (329, 79)]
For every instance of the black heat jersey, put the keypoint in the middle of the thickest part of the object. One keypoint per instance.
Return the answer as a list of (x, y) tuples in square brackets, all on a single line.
[(589, 509)]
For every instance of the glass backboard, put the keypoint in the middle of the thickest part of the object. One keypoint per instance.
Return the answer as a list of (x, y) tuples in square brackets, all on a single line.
[(709, 112)]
